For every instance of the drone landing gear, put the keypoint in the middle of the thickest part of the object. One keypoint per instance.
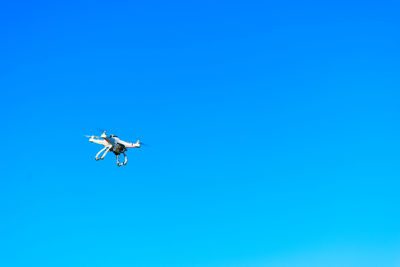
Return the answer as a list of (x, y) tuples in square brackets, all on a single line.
[(106, 149), (126, 160)]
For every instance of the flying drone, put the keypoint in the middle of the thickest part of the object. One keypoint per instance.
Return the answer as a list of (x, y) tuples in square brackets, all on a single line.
[(114, 144)]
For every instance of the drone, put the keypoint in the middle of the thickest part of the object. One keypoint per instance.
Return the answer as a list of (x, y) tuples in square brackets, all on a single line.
[(114, 144)]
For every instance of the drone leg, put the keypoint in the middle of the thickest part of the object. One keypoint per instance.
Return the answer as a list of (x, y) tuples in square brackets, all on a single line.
[(126, 159), (97, 156), (120, 164), (105, 153)]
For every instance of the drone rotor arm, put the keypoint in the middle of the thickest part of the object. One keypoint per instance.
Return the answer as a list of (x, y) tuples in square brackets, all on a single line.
[(99, 141), (129, 145)]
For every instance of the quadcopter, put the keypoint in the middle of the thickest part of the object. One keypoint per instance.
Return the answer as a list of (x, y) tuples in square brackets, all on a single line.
[(114, 144)]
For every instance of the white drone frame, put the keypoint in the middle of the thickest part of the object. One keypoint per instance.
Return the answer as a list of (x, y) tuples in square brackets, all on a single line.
[(109, 143)]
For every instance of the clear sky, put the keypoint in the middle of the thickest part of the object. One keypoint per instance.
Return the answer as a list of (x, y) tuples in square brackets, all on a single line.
[(273, 129)]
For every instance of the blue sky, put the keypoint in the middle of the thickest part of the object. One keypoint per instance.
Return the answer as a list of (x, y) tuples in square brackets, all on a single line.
[(273, 131)]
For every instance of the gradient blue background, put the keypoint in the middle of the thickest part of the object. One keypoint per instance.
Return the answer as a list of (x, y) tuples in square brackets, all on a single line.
[(274, 132)]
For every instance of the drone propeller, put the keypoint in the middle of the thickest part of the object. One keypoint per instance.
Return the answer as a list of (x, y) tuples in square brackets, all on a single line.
[(143, 144), (101, 130), (90, 136)]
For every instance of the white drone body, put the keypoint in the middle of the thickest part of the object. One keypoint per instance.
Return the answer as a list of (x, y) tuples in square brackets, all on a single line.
[(114, 144)]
